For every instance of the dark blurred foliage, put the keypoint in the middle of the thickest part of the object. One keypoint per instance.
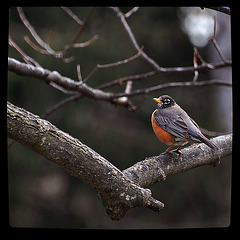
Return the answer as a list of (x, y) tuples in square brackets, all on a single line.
[(41, 194)]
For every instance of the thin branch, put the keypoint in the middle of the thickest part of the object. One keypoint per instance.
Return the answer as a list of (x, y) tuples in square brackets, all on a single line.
[(134, 108), (125, 101), (129, 13), (87, 43), (61, 104), (73, 16), (55, 78), (133, 40), (35, 35), (17, 67), (118, 63), (79, 73), (170, 70), (61, 54), (202, 60), (68, 84), (175, 85), (40, 50), (73, 88), (46, 49), (71, 44), (25, 57), (213, 40), (195, 64), (151, 61)]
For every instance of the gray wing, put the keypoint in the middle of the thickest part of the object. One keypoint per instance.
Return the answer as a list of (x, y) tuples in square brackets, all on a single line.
[(176, 126)]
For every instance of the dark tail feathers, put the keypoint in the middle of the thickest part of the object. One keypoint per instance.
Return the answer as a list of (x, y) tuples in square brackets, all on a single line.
[(203, 139)]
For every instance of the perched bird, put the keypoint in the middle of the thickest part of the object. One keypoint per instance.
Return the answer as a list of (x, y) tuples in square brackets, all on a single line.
[(173, 126)]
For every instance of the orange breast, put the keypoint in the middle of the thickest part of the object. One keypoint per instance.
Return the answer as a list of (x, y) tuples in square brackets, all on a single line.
[(162, 134)]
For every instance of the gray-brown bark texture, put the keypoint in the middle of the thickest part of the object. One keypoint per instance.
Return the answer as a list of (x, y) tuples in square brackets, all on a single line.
[(119, 191)]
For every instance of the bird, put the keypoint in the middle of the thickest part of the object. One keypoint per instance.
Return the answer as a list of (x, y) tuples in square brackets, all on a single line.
[(174, 127)]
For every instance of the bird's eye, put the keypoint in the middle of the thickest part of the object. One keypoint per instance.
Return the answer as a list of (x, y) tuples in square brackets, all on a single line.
[(167, 101)]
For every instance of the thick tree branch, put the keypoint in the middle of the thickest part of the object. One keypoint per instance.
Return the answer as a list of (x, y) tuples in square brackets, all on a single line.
[(56, 79), (157, 168), (119, 191)]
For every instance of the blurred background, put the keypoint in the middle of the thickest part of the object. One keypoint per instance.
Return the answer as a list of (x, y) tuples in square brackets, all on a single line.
[(41, 194)]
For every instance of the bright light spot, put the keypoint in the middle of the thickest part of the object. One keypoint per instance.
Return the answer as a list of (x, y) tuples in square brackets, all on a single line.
[(199, 25)]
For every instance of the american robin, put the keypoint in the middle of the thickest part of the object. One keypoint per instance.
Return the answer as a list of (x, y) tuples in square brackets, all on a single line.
[(173, 126)]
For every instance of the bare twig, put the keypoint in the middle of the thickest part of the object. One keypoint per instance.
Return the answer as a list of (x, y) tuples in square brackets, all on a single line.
[(118, 98), (196, 55), (73, 16), (31, 29), (70, 85), (170, 70), (123, 61), (195, 64), (38, 49), (133, 40), (46, 49), (71, 44), (158, 70), (79, 73), (85, 44), (125, 101), (202, 60), (61, 104), (25, 57), (160, 87), (129, 13), (213, 40), (219, 50), (175, 85), (118, 63)]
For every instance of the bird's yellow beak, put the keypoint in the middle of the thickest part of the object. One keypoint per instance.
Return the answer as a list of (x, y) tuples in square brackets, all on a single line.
[(157, 100)]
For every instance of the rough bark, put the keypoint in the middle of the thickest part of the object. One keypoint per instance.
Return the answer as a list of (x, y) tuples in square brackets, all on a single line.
[(157, 168), (77, 158), (119, 191)]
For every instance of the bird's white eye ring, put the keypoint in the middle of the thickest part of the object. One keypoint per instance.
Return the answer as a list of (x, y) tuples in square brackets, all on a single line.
[(167, 101)]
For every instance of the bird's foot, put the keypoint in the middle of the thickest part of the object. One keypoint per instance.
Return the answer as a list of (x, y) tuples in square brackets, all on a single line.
[(177, 151)]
